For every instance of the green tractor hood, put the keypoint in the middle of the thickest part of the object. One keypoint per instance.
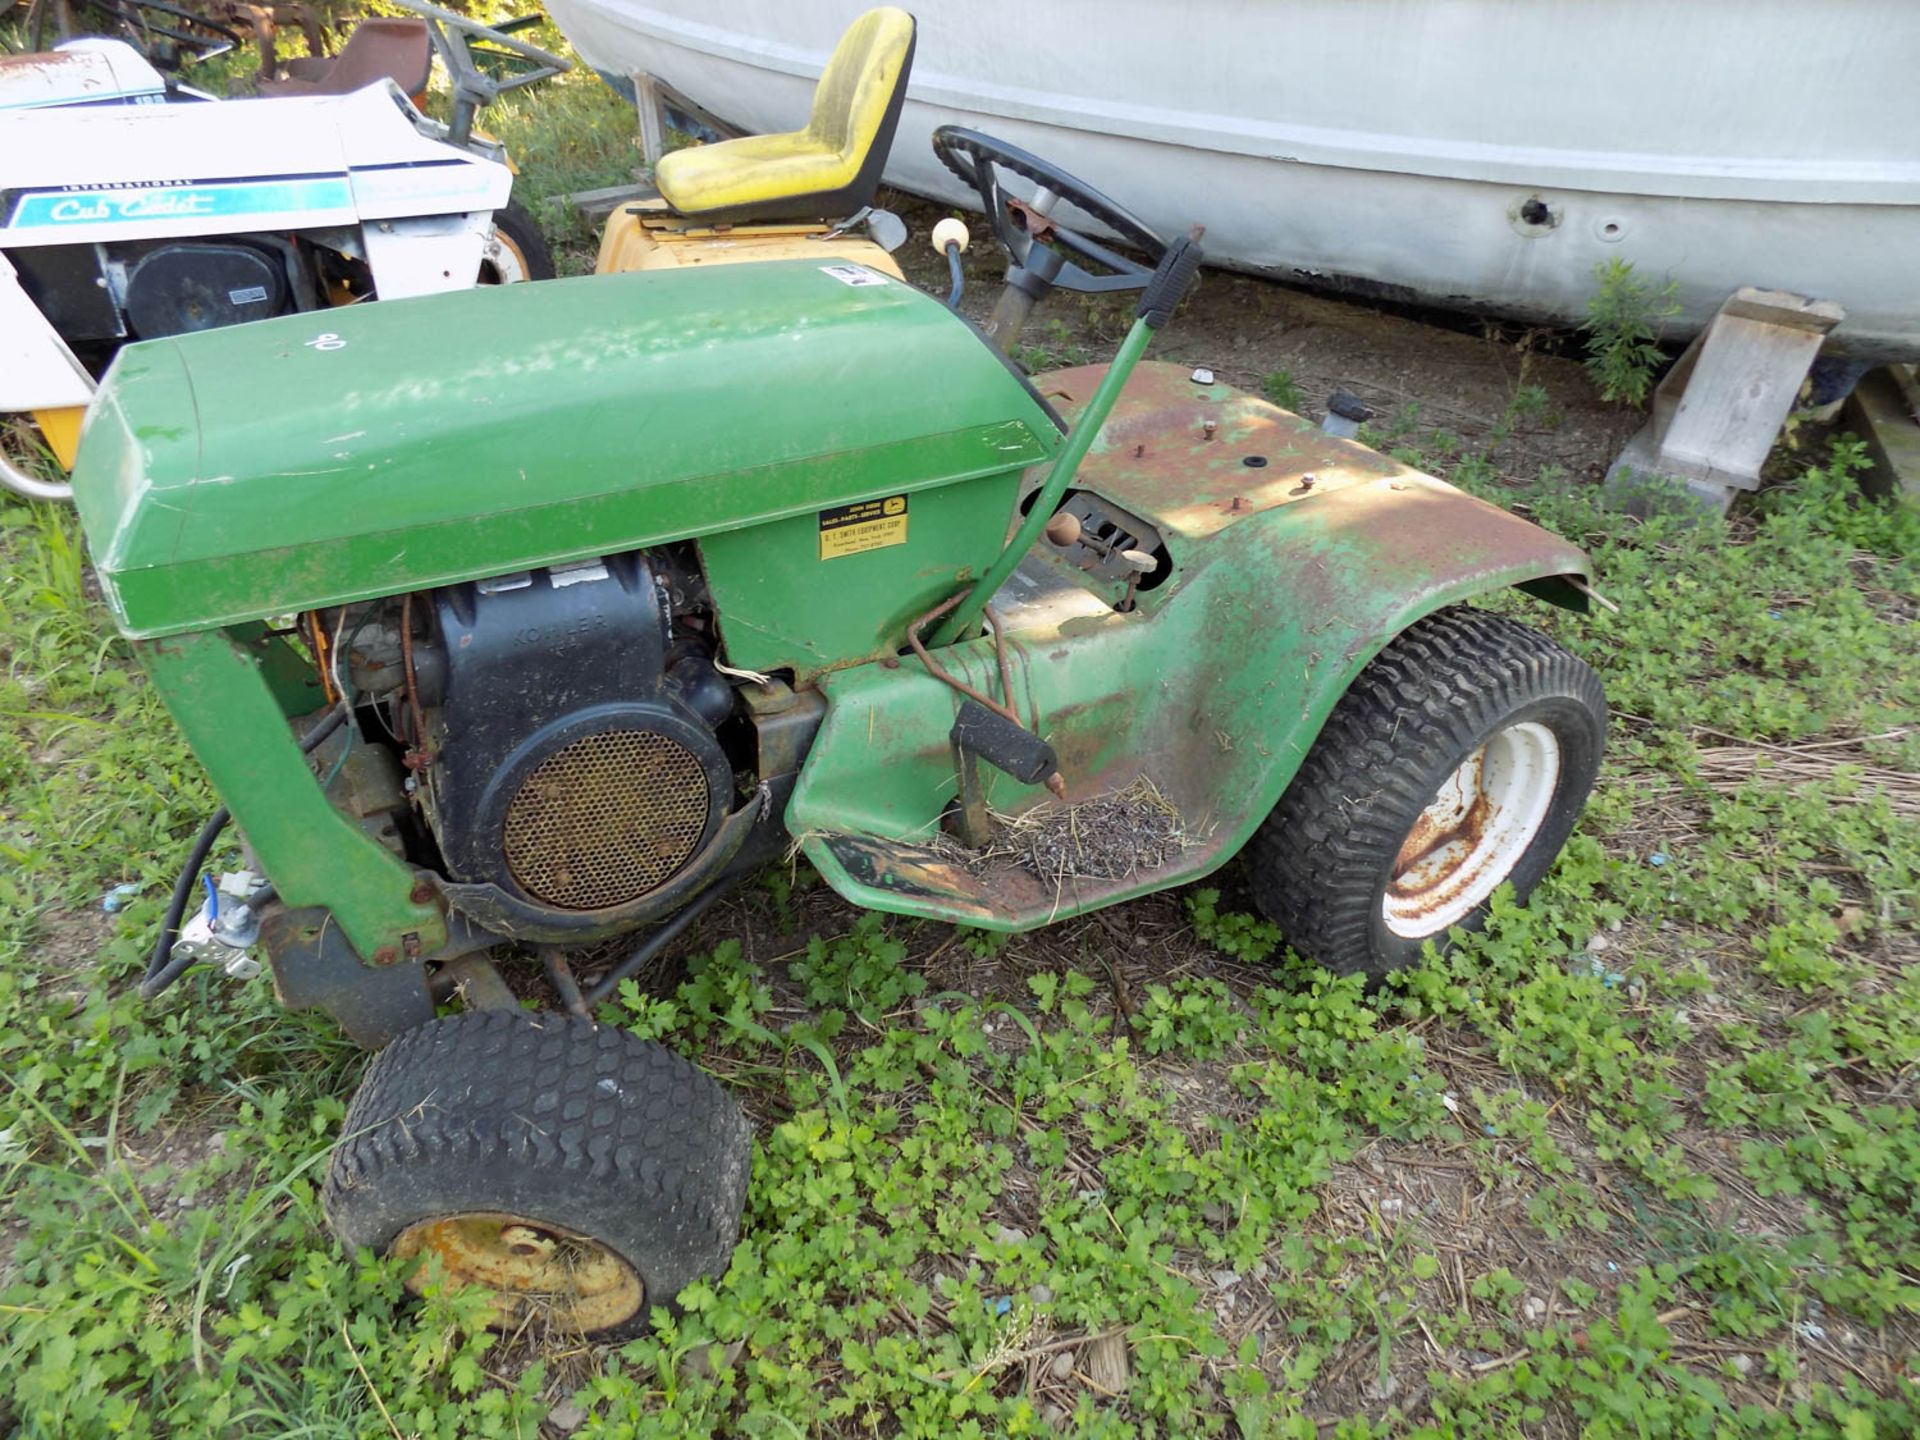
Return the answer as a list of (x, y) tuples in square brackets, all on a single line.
[(335, 456)]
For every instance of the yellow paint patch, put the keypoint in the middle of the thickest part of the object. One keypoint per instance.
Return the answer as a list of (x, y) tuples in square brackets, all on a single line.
[(61, 428)]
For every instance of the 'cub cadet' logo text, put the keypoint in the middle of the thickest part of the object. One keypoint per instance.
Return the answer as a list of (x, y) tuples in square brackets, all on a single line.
[(135, 205), (125, 204)]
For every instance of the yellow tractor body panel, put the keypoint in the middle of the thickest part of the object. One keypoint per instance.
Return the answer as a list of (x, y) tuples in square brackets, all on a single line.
[(639, 238)]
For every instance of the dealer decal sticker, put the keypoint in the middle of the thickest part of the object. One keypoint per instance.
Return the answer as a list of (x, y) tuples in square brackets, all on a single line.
[(863, 525)]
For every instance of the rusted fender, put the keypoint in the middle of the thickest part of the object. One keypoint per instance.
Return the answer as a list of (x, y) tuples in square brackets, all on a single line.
[(1369, 559), (1216, 686)]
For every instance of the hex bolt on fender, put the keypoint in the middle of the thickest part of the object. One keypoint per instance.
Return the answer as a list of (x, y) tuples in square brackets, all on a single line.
[(1458, 761)]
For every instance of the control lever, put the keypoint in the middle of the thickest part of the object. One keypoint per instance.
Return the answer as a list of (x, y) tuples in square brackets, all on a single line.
[(950, 238)]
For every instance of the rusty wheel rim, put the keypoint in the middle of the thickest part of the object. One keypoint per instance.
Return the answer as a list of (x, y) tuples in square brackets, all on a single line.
[(1474, 832), (502, 262), (535, 1271)]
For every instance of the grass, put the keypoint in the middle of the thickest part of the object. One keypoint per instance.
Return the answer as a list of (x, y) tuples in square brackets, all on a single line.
[(1640, 1160)]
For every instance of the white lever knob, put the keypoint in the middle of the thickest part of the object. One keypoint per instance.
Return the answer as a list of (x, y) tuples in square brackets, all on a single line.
[(950, 231)]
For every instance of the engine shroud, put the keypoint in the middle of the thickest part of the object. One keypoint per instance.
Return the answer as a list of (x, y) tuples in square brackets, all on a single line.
[(566, 769), (201, 285)]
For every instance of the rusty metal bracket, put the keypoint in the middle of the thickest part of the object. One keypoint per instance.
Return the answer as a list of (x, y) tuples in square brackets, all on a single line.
[(315, 968), (474, 982), (975, 826)]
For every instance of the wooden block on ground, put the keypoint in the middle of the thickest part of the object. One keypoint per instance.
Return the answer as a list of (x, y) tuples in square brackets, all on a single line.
[(1717, 413), (1907, 377), (1637, 485), (1879, 412), (1747, 369)]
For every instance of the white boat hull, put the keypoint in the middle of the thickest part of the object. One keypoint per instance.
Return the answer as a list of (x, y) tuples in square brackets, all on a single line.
[(1404, 149)]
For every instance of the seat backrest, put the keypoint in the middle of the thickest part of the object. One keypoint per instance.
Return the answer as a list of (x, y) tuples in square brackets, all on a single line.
[(857, 102), (378, 49)]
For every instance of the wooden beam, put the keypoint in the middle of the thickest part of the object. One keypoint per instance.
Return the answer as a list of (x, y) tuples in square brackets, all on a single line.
[(653, 117), (1717, 413)]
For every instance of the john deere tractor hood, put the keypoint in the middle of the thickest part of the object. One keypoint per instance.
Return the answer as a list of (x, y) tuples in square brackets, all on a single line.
[(345, 454)]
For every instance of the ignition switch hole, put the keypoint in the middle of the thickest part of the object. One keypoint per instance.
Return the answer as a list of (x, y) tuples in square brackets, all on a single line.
[(1535, 212)]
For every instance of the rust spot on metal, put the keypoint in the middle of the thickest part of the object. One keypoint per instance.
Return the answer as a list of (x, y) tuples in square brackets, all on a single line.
[(1030, 219), (386, 955), (533, 1270), (421, 894), (1163, 456), (1427, 871), (908, 869)]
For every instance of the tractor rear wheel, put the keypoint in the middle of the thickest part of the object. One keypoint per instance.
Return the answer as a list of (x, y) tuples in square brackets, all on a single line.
[(517, 250), (580, 1174), (1458, 761)]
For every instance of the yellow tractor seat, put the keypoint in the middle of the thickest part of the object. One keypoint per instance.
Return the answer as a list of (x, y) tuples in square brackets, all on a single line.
[(824, 172)]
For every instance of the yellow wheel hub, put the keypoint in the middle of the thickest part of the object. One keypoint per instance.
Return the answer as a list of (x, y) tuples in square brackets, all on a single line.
[(536, 1271)]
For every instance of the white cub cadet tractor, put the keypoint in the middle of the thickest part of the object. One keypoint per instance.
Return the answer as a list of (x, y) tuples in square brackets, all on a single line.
[(133, 208)]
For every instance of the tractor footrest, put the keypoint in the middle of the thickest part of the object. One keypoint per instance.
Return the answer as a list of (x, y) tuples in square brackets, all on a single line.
[(997, 893)]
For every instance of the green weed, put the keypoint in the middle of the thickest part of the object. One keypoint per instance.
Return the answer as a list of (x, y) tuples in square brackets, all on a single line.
[(1279, 387), (1624, 315)]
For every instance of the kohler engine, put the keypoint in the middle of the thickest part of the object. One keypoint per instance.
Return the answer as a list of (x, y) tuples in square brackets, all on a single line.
[(105, 294), (570, 755)]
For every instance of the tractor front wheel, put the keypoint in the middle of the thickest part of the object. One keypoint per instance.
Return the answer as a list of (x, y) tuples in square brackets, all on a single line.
[(1458, 761), (579, 1174)]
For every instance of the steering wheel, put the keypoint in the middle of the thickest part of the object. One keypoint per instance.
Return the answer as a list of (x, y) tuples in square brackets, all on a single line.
[(1025, 229)]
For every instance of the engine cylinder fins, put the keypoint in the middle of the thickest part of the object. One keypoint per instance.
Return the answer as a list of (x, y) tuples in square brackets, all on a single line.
[(607, 818)]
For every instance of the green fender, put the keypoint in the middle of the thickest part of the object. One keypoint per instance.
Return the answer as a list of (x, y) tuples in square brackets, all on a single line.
[(1215, 688)]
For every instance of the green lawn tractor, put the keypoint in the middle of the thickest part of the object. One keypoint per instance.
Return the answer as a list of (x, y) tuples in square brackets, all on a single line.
[(549, 636)]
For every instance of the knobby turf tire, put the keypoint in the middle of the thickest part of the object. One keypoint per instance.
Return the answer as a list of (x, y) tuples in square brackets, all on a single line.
[(1320, 864), (556, 1119)]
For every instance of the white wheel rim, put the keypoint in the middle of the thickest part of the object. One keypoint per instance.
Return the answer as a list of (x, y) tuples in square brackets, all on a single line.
[(509, 267), (1473, 832)]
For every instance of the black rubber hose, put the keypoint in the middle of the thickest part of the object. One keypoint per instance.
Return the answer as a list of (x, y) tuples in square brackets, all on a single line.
[(959, 276), (162, 971)]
